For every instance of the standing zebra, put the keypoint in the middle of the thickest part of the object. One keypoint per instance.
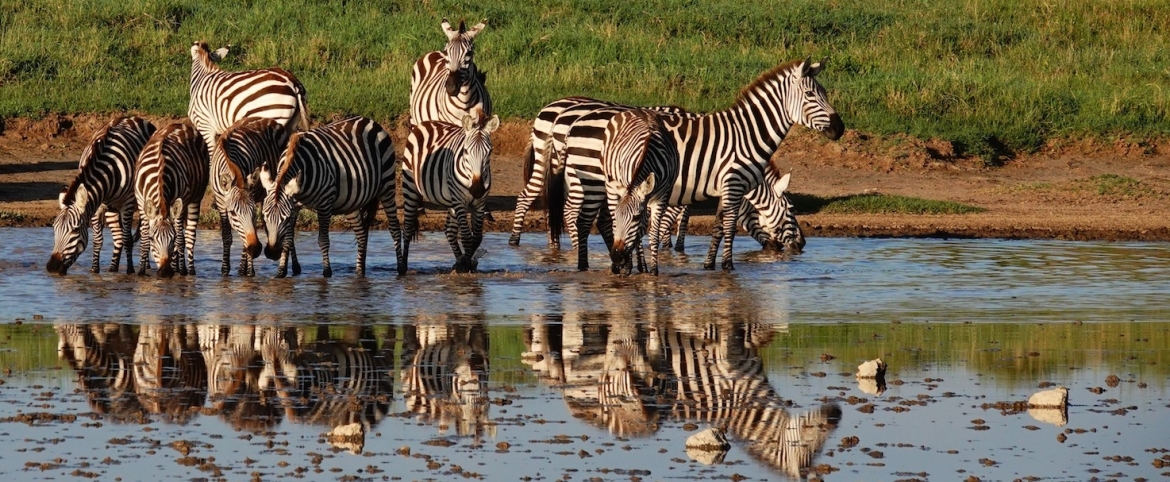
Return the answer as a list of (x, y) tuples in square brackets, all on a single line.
[(220, 98), (236, 159), (725, 154), (101, 194), (446, 85), (347, 167), (545, 159), (450, 166), (169, 184)]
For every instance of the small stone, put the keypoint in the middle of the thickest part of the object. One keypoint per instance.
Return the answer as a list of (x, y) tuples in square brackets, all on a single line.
[(708, 447), (1054, 398)]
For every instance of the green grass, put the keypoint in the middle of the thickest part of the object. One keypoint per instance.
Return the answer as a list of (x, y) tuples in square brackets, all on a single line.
[(992, 76), (877, 203), (1120, 186)]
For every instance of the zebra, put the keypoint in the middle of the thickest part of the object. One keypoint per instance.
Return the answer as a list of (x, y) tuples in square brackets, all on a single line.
[(446, 85), (347, 167), (726, 154), (102, 193), (169, 184), (719, 379), (100, 354), (220, 98), (170, 376), (445, 374), (449, 166), (239, 153), (544, 161)]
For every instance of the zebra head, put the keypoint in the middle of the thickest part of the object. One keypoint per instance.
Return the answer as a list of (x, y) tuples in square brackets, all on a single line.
[(160, 233), (70, 228), (245, 143), (460, 53), (202, 54), (474, 157), (808, 104), (281, 187), (628, 224), (776, 218)]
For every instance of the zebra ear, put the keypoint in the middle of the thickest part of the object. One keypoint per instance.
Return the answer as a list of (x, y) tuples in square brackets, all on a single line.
[(646, 187), (451, 33), (469, 123), (781, 186), (810, 69), (266, 178), (61, 198), (177, 208), (219, 54), (475, 30), (492, 125)]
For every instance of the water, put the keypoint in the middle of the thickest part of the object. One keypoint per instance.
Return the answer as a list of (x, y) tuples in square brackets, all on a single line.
[(531, 369)]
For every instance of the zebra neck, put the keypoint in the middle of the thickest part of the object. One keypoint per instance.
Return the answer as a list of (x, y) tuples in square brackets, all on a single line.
[(760, 121)]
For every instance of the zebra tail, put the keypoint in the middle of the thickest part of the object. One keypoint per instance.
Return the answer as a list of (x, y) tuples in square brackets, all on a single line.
[(303, 106), (554, 188)]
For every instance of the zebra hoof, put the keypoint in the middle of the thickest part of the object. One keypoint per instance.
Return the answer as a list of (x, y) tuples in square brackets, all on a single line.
[(327, 272), (709, 266), (514, 240)]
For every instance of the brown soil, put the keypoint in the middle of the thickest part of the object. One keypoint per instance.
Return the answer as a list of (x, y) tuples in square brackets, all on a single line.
[(1049, 194)]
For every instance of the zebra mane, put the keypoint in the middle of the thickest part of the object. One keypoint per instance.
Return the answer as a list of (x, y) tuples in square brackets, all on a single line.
[(164, 206), (95, 145), (221, 143), (778, 71), (286, 162), (650, 122)]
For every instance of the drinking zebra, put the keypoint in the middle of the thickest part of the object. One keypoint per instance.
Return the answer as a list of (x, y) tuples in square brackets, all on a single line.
[(239, 153), (445, 374), (725, 154), (450, 166), (169, 184), (220, 98), (102, 194), (170, 376), (545, 161), (347, 167), (446, 85)]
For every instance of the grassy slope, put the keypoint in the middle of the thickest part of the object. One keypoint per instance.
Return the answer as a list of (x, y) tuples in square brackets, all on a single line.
[(991, 75)]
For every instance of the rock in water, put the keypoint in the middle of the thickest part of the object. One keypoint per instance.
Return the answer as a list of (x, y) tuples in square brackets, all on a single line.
[(872, 369), (1055, 398), (351, 437), (708, 447)]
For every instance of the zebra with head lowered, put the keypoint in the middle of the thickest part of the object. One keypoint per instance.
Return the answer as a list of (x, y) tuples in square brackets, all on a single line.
[(545, 160), (726, 154), (101, 194), (450, 166), (347, 167), (239, 153), (446, 85), (169, 184)]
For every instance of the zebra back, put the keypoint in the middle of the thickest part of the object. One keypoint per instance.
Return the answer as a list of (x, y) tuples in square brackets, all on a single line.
[(446, 84), (220, 98), (105, 178), (170, 181)]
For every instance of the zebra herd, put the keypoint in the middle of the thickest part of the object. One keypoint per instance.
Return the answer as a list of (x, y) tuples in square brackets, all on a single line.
[(248, 135)]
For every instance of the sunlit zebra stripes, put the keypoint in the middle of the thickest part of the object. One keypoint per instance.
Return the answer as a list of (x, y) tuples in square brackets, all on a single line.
[(344, 168), (102, 194), (450, 166), (220, 98), (446, 85), (169, 185)]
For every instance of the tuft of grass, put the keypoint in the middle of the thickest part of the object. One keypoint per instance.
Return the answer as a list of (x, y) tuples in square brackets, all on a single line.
[(12, 217), (878, 204), (1119, 186)]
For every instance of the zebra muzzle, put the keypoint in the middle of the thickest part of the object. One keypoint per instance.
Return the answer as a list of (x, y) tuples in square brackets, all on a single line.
[(271, 252), (57, 265), (478, 191), (252, 246), (836, 127), (164, 268)]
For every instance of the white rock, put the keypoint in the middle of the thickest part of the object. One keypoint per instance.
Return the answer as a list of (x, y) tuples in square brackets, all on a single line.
[(708, 446), (872, 369), (1055, 416), (351, 437), (1055, 398)]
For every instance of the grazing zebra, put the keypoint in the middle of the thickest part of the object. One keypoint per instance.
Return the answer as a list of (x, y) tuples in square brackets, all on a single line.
[(220, 98), (102, 194), (347, 167), (449, 166), (169, 184), (726, 154), (445, 375), (446, 85), (239, 153), (545, 161)]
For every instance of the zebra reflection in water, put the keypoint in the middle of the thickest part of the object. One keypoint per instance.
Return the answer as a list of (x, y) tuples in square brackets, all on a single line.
[(101, 354), (629, 368), (170, 376)]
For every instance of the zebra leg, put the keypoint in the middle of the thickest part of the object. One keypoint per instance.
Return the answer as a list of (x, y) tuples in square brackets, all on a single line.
[(360, 223), (144, 248), (177, 254), (684, 219), (605, 226), (324, 218), (97, 225), (716, 238), (584, 225), (411, 202), (654, 211), (126, 226), (451, 229), (668, 220), (225, 233), (292, 254), (114, 222), (285, 251), (524, 201), (730, 203), (192, 219), (478, 212)]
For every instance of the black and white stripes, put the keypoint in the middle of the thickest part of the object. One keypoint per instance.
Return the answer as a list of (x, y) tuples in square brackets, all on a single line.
[(169, 184), (101, 194), (446, 85), (347, 167)]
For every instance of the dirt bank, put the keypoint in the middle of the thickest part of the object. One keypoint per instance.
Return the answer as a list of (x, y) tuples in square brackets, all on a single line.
[(1069, 190)]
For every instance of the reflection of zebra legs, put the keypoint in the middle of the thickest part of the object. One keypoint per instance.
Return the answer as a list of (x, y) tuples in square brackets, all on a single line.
[(446, 377), (101, 356), (170, 375)]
